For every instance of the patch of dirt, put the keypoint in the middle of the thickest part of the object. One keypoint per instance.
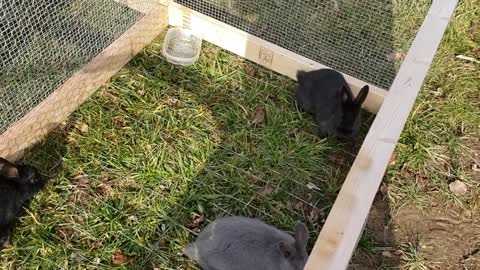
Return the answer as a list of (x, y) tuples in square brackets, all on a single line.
[(383, 254), (449, 238), (444, 238)]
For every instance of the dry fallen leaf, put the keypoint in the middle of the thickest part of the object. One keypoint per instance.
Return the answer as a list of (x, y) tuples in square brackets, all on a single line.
[(234, 84), (64, 232), (294, 133), (141, 92), (475, 167), (259, 116), (476, 51), (197, 221), (384, 189), (163, 187), (469, 66), (131, 219), (267, 189), (82, 180), (297, 205), (79, 197), (393, 160), (97, 245), (109, 95), (394, 56), (79, 219), (472, 31), (467, 58), (387, 254), (83, 128), (105, 176), (315, 215), (311, 186), (118, 258), (171, 100), (78, 257), (104, 188), (458, 188), (251, 72), (340, 161)]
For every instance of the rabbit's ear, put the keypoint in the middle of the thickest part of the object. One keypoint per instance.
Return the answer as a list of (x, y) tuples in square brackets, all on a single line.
[(347, 95), (300, 74), (301, 235), (286, 250), (7, 169), (362, 95)]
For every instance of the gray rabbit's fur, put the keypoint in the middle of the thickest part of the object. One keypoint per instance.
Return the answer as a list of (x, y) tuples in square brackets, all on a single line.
[(239, 243), (326, 94)]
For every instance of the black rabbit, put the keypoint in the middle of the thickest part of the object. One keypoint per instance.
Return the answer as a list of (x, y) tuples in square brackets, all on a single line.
[(18, 184), (239, 243), (326, 94)]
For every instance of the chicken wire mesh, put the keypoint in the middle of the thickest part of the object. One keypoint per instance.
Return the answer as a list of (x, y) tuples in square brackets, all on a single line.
[(42, 43), (359, 38)]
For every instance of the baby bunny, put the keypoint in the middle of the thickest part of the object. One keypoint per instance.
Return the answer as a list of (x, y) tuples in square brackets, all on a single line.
[(18, 184), (326, 94), (239, 243)]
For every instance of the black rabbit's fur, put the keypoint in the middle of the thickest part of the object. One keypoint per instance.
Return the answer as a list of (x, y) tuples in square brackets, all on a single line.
[(18, 184), (326, 94)]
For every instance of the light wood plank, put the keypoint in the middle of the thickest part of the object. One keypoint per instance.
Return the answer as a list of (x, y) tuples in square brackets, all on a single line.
[(144, 6), (260, 51), (345, 223), (65, 99)]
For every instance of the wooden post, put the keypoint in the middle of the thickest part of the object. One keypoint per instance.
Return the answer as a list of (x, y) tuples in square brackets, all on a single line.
[(345, 223), (66, 99), (260, 51)]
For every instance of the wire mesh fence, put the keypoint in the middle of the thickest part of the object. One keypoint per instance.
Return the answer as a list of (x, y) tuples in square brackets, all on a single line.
[(44, 42), (359, 38)]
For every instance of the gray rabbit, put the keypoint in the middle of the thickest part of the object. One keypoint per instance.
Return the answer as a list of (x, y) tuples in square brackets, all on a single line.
[(239, 243), (326, 94)]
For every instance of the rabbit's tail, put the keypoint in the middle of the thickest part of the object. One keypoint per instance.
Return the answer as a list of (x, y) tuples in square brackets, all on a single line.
[(4, 236), (191, 251)]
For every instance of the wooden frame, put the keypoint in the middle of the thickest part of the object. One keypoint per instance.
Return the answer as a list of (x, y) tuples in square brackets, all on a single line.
[(345, 223)]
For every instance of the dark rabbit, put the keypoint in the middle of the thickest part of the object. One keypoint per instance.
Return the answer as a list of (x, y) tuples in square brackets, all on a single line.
[(326, 94), (18, 184), (239, 243)]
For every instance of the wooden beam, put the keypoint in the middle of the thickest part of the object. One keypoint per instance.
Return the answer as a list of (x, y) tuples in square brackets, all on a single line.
[(260, 51), (345, 223), (143, 6), (66, 99)]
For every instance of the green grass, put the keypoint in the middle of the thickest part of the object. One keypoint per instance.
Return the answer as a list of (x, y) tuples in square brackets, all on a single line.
[(160, 144), (440, 142)]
